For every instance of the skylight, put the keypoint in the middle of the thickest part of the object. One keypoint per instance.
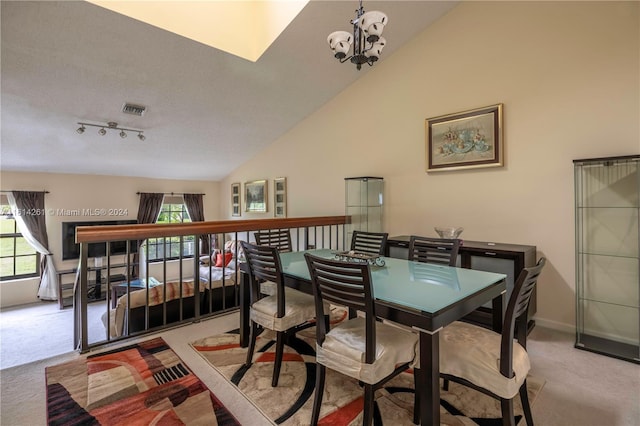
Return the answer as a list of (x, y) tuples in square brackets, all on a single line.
[(242, 28)]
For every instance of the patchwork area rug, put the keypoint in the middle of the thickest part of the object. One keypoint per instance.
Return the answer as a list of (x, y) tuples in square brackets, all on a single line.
[(291, 401), (141, 384)]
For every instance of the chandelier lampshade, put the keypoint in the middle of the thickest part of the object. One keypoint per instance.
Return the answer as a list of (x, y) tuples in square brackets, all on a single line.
[(366, 40), (340, 43), (372, 23), (374, 52)]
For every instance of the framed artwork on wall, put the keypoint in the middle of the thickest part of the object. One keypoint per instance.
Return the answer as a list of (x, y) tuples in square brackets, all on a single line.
[(255, 196), (235, 199), (280, 197), (465, 140)]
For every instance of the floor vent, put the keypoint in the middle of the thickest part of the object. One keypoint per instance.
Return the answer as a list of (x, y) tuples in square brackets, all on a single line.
[(134, 109)]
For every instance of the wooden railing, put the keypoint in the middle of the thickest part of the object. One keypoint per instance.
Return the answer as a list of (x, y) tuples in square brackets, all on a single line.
[(208, 298)]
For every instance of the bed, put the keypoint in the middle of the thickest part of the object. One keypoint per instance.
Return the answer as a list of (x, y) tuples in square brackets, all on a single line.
[(218, 291)]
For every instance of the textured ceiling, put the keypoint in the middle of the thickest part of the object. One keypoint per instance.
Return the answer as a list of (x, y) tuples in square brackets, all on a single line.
[(208, 111)]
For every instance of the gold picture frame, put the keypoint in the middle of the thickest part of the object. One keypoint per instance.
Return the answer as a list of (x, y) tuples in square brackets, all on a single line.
[(235, 199), (255, 196), (465, 140), (280, 197)]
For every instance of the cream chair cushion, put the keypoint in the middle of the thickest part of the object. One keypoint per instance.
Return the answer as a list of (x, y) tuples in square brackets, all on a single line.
[(268, 288), (473, 353), (344, 350), (299, 308)]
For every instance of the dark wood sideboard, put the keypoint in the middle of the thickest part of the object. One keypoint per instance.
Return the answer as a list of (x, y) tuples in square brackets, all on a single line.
[(502, 258)]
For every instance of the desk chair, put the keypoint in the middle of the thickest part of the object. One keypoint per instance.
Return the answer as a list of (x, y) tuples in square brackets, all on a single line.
[(286, 311), (363, 348), (493, 363), (434, 250), (369, 242)]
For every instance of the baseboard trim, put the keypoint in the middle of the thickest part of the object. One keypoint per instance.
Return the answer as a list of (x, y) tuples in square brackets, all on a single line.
[(555, 325)]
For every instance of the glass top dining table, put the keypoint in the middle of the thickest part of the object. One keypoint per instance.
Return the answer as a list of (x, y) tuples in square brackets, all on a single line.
[(423, 296)]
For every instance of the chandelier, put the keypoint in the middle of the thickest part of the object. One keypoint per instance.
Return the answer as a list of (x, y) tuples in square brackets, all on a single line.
[(110, 126), (366, 38)]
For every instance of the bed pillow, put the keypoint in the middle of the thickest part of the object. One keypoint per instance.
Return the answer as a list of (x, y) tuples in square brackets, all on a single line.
[(220, 259), (233, 246)]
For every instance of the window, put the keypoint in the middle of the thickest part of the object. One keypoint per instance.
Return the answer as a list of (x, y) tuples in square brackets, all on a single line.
[(173, 211), (17, 258)]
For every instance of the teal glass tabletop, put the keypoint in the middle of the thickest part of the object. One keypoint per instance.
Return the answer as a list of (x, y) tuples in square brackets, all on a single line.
[(422, 286)]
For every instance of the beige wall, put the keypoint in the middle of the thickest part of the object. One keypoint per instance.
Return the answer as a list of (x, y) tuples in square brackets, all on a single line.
[(77, 192), (568, 76)]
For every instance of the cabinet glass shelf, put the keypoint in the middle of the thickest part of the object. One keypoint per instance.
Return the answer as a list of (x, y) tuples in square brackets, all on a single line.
[(607, 208), (363, 204)]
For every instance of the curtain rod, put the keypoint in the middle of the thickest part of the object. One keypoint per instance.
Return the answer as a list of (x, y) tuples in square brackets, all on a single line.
[(170, 193), (22, 190)]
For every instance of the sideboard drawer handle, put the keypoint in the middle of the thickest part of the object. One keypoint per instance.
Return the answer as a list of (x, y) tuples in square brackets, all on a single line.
[(490, 253)]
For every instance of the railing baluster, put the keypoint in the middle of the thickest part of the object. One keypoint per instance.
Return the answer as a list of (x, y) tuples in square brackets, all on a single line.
[(307, 232)]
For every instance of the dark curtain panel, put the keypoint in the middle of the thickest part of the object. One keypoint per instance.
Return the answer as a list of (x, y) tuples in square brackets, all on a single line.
[(149, 207), (148, 211), (195, 207), (34, 229)]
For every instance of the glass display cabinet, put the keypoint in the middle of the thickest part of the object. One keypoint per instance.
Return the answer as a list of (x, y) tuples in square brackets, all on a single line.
[(363, 202), (607, 205)]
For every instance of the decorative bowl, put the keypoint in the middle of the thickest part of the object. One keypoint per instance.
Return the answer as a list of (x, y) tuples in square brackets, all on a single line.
[(450, 232)]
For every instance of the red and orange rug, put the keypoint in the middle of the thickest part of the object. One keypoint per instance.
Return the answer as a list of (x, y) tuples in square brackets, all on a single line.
[(141, 384)]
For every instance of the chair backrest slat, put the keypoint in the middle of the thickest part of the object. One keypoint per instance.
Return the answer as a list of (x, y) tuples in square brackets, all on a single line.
[(278, 238), (369, 242), (516, 313), (264, 265), (347, 284), (442, 251)]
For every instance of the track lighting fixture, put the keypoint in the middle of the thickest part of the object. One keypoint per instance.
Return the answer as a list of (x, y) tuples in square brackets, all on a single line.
[(110, 126)]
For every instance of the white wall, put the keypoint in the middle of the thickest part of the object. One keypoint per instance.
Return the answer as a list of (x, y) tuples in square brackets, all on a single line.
[(69, 192), (568, 76)]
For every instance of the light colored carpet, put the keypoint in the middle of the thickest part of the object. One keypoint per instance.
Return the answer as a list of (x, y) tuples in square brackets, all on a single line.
[(42, 330)]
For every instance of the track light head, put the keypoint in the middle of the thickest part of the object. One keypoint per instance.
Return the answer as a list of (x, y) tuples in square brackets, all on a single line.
[(80, 130), (141, 136), (102, 132), (123, 134)]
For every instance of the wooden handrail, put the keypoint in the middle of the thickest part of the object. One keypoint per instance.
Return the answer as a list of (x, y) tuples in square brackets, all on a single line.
[(93, 234)]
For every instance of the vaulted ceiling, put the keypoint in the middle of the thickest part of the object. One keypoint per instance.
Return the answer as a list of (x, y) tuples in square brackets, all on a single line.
[(208, 111)]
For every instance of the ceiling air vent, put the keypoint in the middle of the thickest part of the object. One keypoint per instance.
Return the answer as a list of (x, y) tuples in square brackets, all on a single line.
[(134, 109)]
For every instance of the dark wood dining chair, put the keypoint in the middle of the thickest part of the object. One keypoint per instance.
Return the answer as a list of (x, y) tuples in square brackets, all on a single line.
[(493, 363), (369, 242), (278, 238), (285, 312), (439, 251), (363, 348), (434, 250)]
